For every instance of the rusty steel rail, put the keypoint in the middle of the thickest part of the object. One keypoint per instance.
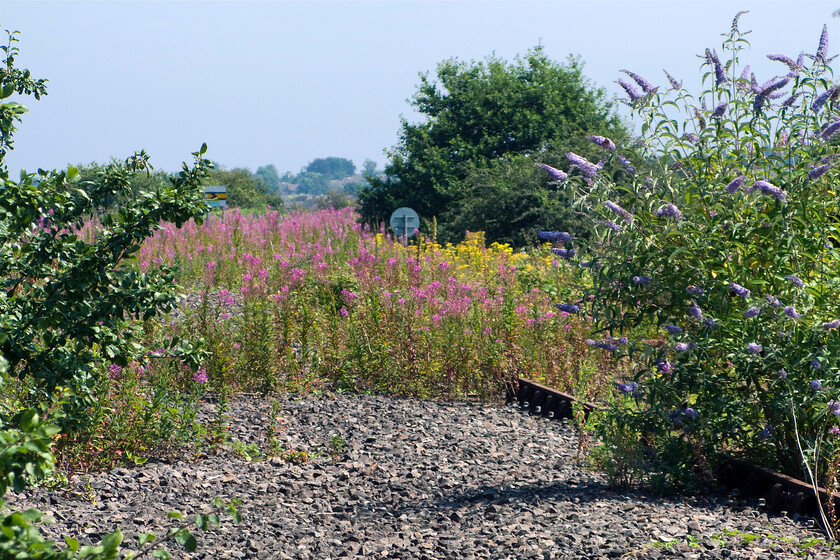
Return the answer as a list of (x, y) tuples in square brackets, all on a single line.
[(781, 494), (545, 401)]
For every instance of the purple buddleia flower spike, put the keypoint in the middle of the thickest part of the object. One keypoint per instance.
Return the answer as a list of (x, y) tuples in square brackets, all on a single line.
[(568, 308), (699, 116), (784, 60), (818, 172), (691, 137), (829, 131), (646, 86), (588, 168), (735, 184), (754, 87), (790, 311), (709, 322), (822, 98), (669, 211), (770, 190), (673, 329), (736, 18), (682, 346), (720, 73), (766, 91), (695, 290), (627, 165), (781, 373), (556, 174), (602, 141), (641, 280), (675, 85), (619, 210), (754, 348), (610, 224), (627, 388), (744, 81), (795, 280), (790, 100), (563, 253), (822, 49), (695, 311), (719, 110), (739, 290), (752, 312), (632, 92), (831, 325), (773, 301), (815, 385)]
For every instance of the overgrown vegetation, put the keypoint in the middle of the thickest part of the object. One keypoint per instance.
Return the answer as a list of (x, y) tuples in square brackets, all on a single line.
[(721, 270), (70, 311)]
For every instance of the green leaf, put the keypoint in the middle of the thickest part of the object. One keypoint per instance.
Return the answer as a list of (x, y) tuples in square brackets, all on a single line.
[(187, 540)]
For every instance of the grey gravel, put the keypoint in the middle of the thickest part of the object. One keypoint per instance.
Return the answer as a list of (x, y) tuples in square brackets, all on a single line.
[(417, 479)]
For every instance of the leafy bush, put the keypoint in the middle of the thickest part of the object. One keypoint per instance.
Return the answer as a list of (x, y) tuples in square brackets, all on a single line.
[(722, 267), (70, 307)]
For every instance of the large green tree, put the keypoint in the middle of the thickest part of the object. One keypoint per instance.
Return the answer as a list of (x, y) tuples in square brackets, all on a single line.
[(480, 114)]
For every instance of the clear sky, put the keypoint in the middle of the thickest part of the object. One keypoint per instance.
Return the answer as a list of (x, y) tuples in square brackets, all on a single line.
[(288, 82)]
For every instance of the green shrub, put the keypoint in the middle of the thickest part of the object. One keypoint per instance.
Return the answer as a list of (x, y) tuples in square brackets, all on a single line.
[(722, 269)]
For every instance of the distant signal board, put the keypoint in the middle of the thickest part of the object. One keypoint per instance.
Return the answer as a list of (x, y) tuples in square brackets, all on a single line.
[(216, 196)]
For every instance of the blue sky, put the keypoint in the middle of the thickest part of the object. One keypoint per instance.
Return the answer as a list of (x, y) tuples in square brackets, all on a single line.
[(287, 82)]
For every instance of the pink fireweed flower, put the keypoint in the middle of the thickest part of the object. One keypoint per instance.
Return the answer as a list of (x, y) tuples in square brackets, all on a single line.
[(211, 265), (343, 311), (114, 371), (200, 376)]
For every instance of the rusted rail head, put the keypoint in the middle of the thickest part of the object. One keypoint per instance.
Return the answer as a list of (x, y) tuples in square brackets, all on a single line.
[(545, 401)]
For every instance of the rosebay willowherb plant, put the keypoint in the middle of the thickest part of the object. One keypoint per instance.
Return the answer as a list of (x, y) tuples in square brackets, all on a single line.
[(722, 268)]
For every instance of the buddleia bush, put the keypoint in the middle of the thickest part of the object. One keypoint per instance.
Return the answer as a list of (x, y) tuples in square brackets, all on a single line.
[(722, 269)]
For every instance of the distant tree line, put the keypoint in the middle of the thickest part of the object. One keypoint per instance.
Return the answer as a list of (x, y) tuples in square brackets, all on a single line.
[(319, 177), (244, 189)]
